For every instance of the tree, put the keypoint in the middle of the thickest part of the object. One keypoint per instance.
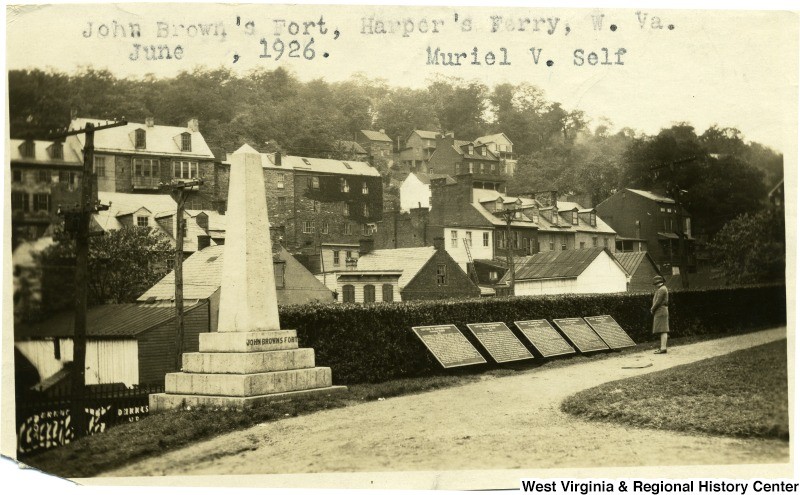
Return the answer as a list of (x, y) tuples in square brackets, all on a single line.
[(123, 264), (752, 247)]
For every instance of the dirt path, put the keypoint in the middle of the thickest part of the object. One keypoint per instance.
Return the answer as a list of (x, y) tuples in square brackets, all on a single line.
[(496, 423)]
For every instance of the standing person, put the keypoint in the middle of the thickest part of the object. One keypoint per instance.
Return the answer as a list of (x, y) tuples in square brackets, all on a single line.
[(660, 312)]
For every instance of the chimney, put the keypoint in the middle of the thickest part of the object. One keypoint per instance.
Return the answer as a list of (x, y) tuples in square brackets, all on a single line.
[(365, 246), (202, 221), (444, 140), (278, 160), (438, 243), (73, 114), (193, 125), (203, 241), (554, 204), (149, 121), (383, 131)]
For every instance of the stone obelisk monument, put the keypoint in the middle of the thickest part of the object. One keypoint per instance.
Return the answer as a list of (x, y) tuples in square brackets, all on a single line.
[(249, 360)]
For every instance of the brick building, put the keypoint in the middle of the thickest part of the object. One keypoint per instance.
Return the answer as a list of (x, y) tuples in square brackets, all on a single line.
[(316, 205), (499, 145), (454, 157), (44, 175), (141, 157), (648, 221), (378, 145)]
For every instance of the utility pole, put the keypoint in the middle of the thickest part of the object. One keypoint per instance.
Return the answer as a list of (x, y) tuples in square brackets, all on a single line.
[(180, 191), (508, 216), (79, 221)]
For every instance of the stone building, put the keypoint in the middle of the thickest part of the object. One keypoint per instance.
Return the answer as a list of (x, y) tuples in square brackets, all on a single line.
[(378, 145)]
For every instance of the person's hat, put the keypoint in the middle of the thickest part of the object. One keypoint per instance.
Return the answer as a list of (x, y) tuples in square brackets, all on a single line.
[(658, 279)]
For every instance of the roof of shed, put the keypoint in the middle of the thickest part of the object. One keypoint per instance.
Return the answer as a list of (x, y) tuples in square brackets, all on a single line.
[(107, 320), (409, 260), (376, 135), (556, 264)]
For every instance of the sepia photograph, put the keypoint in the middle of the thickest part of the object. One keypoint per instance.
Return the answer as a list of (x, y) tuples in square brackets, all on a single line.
[(399, 247)]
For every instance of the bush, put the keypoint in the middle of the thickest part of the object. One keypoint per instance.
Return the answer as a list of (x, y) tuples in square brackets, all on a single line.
[(375, 342)]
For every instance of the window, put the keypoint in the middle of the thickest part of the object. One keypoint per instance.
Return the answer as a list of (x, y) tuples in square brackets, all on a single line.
[(344, 186), (16, 176), (605, 242), (140, 139), (364, 188), (493, 275), (563, 245), (454, 238), (552, 242), (57, 151), (441, 274), (517, 240), (27, 149), (388, 293), (365, 230), (348, 255), (366, 210), (594, 241), (348, 294), (574, 218), (19, 201), (186, 142), (281, 181), (315, 205), (583, 245), (369, 293), (100, 166), (470, 167), (348, 229), (68, 177), (638, 229), (663, 209), (325, 227), (336, 258), (185, 170), (142, 221), (281, 202), (308, 227), (41, 202), (481, 167), (493, 167), (469, 239), (593, 220), (313, 182), (279, 269), (669, 210), (485, 239), (345, 208), (43, 176)]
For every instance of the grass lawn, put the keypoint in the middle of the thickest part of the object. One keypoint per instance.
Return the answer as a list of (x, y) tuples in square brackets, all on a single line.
[(159, 433), (743, 394)]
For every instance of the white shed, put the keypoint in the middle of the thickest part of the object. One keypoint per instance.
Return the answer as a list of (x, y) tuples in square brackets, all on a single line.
[(575, 271)]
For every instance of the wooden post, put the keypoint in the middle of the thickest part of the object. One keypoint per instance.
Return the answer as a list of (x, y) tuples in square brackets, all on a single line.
[(77, 413)]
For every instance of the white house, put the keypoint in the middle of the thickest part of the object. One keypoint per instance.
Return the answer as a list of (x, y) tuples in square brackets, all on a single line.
[(500, 145), (415, 190), (574, 271), (479, 240)]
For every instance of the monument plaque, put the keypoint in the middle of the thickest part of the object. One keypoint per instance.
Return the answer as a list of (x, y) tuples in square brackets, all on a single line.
[(609, 330), (499, 341), (448, 345), (580, 334), (544, 338)]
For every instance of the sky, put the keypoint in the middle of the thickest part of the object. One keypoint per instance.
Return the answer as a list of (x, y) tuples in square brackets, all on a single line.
[(732, 68)]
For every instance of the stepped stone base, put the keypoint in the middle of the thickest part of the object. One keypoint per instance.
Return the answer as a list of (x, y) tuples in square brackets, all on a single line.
[(164, 402), (248, 362), (244, 369)]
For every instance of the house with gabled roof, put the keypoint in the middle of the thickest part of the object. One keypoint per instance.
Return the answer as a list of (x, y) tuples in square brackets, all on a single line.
[(202, 280), (377, 143), (587, 271), (417, 150), (455, 157), (426, 273), (641, 269), (141, 157), (415, 190), (500, 145)]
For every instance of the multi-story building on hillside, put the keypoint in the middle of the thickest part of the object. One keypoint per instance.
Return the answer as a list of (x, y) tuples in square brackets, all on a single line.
[(416, 153), (503, 148), (143, 157), (318, 208), (454, 157), (378, 145), (652, 222), (44, 176)]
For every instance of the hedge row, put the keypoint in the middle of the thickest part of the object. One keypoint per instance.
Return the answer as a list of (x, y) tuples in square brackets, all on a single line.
[(375, 342)]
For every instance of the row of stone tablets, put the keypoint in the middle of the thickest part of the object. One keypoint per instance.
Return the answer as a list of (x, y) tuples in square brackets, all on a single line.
[(593, 333)]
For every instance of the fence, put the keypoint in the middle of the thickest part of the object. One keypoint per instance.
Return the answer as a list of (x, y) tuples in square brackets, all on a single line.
[(44, 422)]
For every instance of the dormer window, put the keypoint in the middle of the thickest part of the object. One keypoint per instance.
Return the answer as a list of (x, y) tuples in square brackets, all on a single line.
[(574, 217), (27, 149), (186, 142), (57, 151), (140, 139)]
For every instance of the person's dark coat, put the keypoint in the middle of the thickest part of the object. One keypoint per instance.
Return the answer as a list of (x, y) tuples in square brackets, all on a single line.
[(660, 311)]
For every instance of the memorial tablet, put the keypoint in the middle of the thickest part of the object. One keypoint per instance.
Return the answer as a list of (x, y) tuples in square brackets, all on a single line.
[(609, 330), (544, 338), (499, 341), (448, 345), (581, 334)]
